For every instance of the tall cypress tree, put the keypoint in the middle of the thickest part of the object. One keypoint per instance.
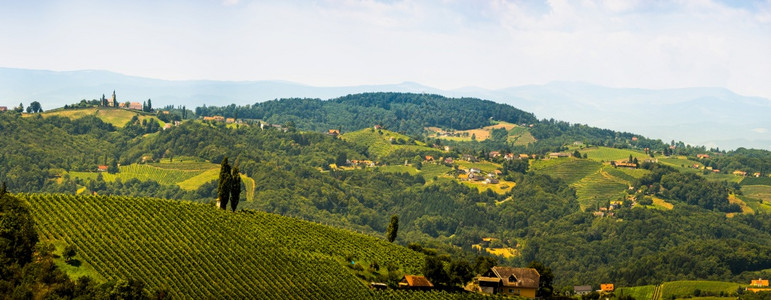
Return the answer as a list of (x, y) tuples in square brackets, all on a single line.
[(223, 189), (235, 188)]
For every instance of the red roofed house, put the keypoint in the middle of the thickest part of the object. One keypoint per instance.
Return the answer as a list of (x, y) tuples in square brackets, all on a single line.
[(135, 105), (102, 168), (3, 108), (607, 287), (415, 282), (702, 155), (759, 285), (510, 281)]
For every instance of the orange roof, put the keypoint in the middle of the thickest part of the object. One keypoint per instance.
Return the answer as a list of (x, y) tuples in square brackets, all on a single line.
[(417, 281), (759, 283), (102, 167), (607, 287)]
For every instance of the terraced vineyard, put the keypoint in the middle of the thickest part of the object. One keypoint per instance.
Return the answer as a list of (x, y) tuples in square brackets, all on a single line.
[(599, 188), (379, 145), (197, 251)]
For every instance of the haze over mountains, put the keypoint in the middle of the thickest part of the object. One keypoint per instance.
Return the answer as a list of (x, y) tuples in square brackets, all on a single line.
[(714, 117)]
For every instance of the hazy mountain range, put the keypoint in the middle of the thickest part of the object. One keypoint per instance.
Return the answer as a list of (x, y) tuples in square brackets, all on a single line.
[(714, 117)]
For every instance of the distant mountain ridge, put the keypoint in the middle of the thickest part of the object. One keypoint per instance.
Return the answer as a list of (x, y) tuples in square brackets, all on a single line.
[(715, 117)]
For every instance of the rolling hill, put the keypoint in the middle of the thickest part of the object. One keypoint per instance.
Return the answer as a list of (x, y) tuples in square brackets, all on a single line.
[(198, 251)]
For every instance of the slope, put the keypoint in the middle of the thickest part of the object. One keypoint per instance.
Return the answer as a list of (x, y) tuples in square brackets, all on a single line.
[(197, 251)]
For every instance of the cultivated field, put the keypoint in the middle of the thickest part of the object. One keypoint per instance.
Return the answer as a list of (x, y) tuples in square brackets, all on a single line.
[(186, 248), (681, 289)]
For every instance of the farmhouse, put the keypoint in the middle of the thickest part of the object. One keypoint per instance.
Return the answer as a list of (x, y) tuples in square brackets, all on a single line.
[(3, 108), (491, 180), (135, 106), (624, 164), (524, 156), (759, 285), (740, 173), (414, 282), (702, 155), (101, 168), (333, 132), (429, 158), (607, 287), (469, 158), (558, 154), (230, 120), (582, 289), (510, 281), (494, 154)]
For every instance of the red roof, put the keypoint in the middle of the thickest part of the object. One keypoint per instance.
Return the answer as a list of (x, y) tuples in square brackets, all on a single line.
[(416, 281)]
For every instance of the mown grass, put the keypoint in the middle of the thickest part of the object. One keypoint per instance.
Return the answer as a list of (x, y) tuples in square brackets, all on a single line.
[(679, 289)]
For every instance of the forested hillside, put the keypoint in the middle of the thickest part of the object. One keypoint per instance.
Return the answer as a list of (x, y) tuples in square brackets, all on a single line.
[(672, 216)]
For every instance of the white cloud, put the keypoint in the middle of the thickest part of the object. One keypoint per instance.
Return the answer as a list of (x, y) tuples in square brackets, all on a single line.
[(760, 130), (444, 43)]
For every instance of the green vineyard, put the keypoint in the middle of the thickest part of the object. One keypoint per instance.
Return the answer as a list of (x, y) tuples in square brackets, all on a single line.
[(198, 251)]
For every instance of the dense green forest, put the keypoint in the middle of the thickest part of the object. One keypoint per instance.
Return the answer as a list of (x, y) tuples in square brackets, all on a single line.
[(539, 216)]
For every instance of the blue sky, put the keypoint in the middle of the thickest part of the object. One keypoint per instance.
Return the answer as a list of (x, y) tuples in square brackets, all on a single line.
[(444, 43)]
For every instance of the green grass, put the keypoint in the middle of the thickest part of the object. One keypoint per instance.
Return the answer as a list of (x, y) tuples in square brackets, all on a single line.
[(680, 289), (754, 180), (569, 169), (196, 181), (485, 166), (638, 292), (399, 169), (612, 154), (197, 251), (758, 197)]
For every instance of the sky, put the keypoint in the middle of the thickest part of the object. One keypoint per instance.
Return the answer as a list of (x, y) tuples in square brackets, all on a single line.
[(445, 44)]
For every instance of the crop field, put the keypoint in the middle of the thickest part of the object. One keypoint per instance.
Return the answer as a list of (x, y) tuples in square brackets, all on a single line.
[(520, 136), (380, 145), (637, 292), (180, 246), (569, 169), (758, 197), (660, 203), (681, 289), (148, 172)]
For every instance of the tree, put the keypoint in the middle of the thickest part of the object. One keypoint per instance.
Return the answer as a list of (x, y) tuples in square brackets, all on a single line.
[(235, 188), (17, 231), (393, 228), (35, 107), (460, 272), (69, 252), (576, 154), (20, 108), (342, 159), (434, 271), (223, 188), (29, 109), (545, 288), (115, 99), (3, 189), (484, 263), (149, 105)]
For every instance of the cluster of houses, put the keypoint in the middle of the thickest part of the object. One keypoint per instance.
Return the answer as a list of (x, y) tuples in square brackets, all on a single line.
[(759, 285), (475, 174), (605, 288), (508, 281), (608, 211), (222, 119)]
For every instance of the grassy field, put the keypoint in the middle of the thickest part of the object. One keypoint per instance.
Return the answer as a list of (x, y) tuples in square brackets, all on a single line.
[(745, 208), (517, 134), (612, 154), (116, 116), (187, 173), (569, 169), (638, 292), (680, 289), (660, 203), (754, 180), (485, 166)]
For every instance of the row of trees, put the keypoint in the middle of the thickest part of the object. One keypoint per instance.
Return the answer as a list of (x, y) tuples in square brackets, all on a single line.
[(33, 107), (229, 187)]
